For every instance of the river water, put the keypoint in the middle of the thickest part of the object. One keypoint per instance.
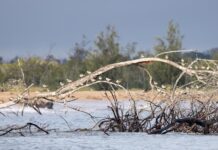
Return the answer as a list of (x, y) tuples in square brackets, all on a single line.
[(89, 140)]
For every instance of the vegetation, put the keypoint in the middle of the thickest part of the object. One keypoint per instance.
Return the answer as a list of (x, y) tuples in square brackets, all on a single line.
[(106, 49), (177, 110), (166, 74), (174, 108)]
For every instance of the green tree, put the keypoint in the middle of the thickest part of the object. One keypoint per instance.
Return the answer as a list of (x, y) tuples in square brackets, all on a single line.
[(1, 60), (107, 47), (33, 68), (172, 42), (53, 75), (214, 53), (162, 73), (76, 64), (107, 51)]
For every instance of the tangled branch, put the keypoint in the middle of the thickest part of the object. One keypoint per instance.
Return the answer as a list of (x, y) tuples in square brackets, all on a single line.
[(21, 129)]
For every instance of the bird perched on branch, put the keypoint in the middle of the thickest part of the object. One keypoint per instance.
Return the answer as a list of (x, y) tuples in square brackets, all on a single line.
[(155, 83), (163, 86), (166, 57), (68, 80), (81, 75), (118, 81), (108, 79), (99, 78), (44, 86), (142, 56), (61, 84), (89, 72)]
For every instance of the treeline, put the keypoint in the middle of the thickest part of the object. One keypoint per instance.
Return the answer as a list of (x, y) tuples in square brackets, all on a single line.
[(106, 49)]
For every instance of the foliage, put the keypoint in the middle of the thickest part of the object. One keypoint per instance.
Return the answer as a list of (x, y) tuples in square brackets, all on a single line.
[(214, 53), (106, 49), (76, 64), (165, 74)]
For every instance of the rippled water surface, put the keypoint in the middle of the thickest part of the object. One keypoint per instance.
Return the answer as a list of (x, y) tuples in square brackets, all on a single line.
[(90, 140)]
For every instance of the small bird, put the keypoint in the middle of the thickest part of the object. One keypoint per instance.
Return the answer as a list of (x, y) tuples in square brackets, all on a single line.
[(44, 86), (81, 75), (166, 57), (89, 72), (61, 83), (118, 81), (155, 83), (158, 90), (99, 78), (108, 79), (163, 86), (68, 80)]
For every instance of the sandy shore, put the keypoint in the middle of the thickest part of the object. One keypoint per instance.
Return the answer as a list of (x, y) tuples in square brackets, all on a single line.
[(123, 95), (93, 95)]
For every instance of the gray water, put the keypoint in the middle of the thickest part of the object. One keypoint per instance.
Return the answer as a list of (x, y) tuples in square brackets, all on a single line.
[(94, 140)]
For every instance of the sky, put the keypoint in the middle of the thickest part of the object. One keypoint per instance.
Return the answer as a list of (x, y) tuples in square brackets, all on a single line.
[(42, 27)]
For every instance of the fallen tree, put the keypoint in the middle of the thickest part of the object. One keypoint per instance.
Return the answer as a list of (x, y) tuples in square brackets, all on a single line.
[(67, 90), (189, 116), (162, 116), (22, 129)]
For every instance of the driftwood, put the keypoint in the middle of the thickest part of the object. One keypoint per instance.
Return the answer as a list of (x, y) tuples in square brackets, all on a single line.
[(21, 129), (162, 117), (67, 90)]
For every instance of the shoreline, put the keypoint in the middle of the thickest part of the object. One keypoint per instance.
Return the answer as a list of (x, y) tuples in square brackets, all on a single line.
[(124, 95), (91, 95)]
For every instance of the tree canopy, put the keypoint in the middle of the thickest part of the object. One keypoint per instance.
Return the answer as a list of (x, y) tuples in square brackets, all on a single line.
[(106, 49)]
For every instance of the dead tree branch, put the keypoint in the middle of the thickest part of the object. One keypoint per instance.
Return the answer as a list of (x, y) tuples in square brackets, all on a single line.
[(18, 129), (66, 90)]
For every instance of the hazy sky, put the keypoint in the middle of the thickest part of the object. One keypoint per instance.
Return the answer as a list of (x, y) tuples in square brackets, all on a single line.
[(32, 27)]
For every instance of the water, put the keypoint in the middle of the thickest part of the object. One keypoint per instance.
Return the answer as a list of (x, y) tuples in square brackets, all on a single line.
[(87, 140)]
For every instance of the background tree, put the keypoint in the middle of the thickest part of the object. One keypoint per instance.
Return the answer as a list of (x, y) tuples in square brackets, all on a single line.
[(214, 53), (162, 73), (76, 64), (107, 48), (1, 60), (107, 51)]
